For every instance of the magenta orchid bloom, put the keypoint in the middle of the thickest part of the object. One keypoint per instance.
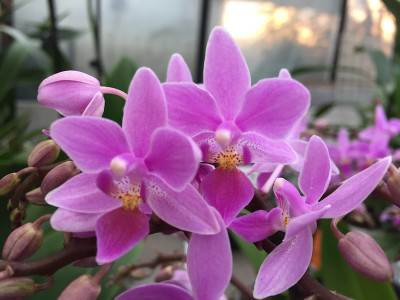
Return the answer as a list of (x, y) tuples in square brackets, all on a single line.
[(129, 172), (296, 215), (234, 123)]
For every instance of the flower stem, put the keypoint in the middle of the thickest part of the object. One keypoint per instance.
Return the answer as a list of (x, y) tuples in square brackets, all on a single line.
[(113, 91)]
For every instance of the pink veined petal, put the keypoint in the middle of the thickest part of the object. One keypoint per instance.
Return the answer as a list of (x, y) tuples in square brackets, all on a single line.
[(226, 75), (273, 107), (229, 191), (81, 194), (264, 150), (301, 222), (95, 107), (284, 266), (257, 225), (173, 157), (156, 291), (118, 231), (71, 221), (145, 110), (183, 278), (178, 70), (316, 172), (90, 142), (190, 108), (209, 263), (186, 209), (354, 190)]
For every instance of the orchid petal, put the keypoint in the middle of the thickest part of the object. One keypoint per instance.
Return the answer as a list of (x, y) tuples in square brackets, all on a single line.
[(299, 223), (226, 75), (266, 180), (156, 291), (316, 173), (284, 266), (258, 225), (118, 231), (288, 198), (90, 142), (71, 221), (190, 108), (144, 111), (354, 190), (209, 263), (81, 194), (178, 70), (229, 191), (272, 107), (173, 157), (264, 150), (186, 209), (95, 107)]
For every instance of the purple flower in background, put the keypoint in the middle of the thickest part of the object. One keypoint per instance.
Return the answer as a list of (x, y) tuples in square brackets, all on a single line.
[(382, 129), (296, 215), (129, 172), (234, 123)]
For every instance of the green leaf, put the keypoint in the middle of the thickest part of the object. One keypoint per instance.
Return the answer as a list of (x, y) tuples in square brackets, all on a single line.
[(10, 66), (383, 66), (33, 47), (389, 242), (338, 276), (119, 78), (254, 256)]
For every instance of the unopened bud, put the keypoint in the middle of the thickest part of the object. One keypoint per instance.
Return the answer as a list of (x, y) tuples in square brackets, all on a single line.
[(36, 197), (68, 92), (16, 288), (57, 176), (365, 256), (85, 287), (165, 274), (43, 154), (8, 183), (23, 242)]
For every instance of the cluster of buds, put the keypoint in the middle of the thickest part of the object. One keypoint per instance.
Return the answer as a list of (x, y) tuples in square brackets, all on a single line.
[(363, 254), (85, 286), (42, 167)]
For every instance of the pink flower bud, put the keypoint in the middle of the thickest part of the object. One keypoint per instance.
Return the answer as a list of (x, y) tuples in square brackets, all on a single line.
[(23, 242), (58, 176), (82, 288), (365, 256), (8, 183), (36, 197), (16, 288), (43, 154), (68, 92)]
